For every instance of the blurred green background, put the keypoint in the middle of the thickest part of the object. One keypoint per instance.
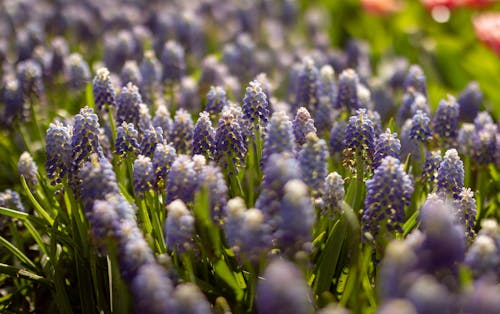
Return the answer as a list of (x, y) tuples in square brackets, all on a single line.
[(450, 53)]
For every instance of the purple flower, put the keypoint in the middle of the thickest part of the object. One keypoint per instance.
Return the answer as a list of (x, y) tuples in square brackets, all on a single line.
[(181, 134), (333, 194), (212, 181), (9, 199), (128, 101), (445, 123), (182, 180), (78, 71), (307, 86), (469, 101), (144, 175), (313, 160), (387, 193), (163, 158), (483, 119), (297, 217), (163, 120), (179, 228), (359, 143), (302, 125), (204, 137), (126, 140), (14, 102), (150, 138), (104, 93), (173, 63), (337, 137), (188, 96), (420, 127), (27, 168), (430, 296), (29, 75), (216, 100), (387, 144), (283, 289), (450, 177), (279, 136), (347, 95), (482, 298), (97, 181), (59, 53), (483, 257), (230, 146), (58, 152), (467, 135), (152, 290), (466, 211), (431, 166), (151, 74), (188, 299), (130, 73), (255, 105), (485, 144), (416, 80)]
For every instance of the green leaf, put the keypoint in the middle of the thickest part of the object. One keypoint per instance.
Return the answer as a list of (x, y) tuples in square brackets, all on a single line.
[(223, 271), (23, 273), (17, 253), (38, 208), (13, 213)]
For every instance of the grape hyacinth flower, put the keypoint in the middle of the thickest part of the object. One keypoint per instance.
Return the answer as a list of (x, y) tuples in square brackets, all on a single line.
[(152, 290), (466, 211), (279, 169), (188, 299), (179, 228), (78, 71), (130, 73), (359, 143), (230, 149), (469, 101), (443, 246), (143, 174), (445, 123), (387, 193), (58, 152), (485, 144), (327, 88), (337, 137), (466, 138), (420, 127), (163, 158), (483, 119), (431, 166), (483, 298), (313, 160), (483, 257), (163, 120), (212, 181), (85, 138), (150, 138), (9, 199), (128, 101), (302, 125), (283, 289), (297, 217), (204, 137), (333, 195), (387, 144), (255, 105), (182, 180), (181, 135), (126, 143), (104, 93), (429, 296), (404, 111), (416, 80), (29, 74), (347, 94), (151, 74), (173, 63), (28, 170), (216, 100), (14, 103), (279, 136), (450, 176), (97, 181), (306, 90)]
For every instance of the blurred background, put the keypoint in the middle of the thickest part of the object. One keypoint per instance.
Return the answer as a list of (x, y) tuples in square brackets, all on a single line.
[(439, 35)]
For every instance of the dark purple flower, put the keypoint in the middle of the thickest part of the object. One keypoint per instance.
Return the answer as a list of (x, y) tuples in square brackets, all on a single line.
[(216, 100), (313, 160), (387, 144), (204, 137), (173, 63), (431, 166), (15, 109), (337, 137), (469, 101), (150, 138), (359, 143), (181, 135), (85, 137), (130, 73), (283, 289), (179, 228), (78, 71), (255, 105), (144, 175), (307, 86), (416, 80), (450, 177), (230, 146), (29, 75), (58, 152), (212, 180), (128, 102), (182, 180), (302, 125), (126, 140), (279, 136), (104, 93), (445, 123), (387, 193), (420, 127), (163, 158), (347, 95)]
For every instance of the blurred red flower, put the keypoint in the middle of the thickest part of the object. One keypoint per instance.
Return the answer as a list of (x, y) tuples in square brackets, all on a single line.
[(487, 27), (450, 4), (381, 7)]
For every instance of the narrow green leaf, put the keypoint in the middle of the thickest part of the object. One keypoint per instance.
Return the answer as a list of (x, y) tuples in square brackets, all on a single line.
[(23, 273), (13, 213), (38, 208), (223, 271), (17, 253)]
